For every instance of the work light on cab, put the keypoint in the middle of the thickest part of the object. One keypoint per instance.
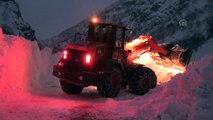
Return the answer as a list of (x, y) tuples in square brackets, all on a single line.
[(95, 20)]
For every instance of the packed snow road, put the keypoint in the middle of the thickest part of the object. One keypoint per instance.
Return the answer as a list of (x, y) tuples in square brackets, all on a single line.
[(28, 91)]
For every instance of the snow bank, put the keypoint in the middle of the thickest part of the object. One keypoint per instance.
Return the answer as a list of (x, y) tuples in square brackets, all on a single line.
[(1, 34), (24, 68), (186, 96), (29, 91)]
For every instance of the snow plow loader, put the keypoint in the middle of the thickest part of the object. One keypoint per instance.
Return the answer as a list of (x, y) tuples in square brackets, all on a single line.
[(105, 60)]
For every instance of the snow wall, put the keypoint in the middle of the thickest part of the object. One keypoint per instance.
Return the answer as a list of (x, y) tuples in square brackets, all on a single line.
[(23, 67)]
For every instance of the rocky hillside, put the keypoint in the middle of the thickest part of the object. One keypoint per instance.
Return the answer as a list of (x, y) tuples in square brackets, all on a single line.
[(12, 22), (187, 22)]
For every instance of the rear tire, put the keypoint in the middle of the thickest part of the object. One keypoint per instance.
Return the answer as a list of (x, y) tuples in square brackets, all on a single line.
[(142, 80), (70, 88), (110, 84)]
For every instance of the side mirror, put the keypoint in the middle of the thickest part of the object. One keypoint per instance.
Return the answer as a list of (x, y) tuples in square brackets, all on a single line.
[(131, 32), (129, 35)]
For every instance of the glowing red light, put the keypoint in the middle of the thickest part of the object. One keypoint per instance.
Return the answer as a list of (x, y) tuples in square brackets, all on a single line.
[(65, 54), (95, 19), (88, 58)]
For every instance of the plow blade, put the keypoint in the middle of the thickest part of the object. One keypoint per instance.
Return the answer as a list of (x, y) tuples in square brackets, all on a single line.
[(179, 56)]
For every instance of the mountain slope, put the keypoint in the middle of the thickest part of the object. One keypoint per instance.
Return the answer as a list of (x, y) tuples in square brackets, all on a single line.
[(12, 22), (166, 20)]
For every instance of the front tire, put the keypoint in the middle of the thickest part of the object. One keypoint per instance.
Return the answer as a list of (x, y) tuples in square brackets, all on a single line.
[(70, 88), (142, 80), (110, 83)]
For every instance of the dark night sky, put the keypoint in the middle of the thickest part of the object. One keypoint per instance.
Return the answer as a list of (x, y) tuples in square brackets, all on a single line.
[(50, 17)]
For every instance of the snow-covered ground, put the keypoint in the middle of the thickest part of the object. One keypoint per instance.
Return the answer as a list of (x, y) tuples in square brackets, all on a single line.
[(28, 91)]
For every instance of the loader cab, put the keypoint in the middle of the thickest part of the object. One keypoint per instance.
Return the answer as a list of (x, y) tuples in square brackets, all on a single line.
[(110, 34)]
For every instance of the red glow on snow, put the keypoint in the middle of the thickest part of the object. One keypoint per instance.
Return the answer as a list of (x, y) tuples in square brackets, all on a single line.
[(88, 58), (1, 34)]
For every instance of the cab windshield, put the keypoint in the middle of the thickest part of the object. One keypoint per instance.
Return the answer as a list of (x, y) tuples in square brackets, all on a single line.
[(100, 32)]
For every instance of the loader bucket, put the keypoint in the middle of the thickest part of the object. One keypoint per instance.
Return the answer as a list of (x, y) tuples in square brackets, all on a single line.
[(185, 57), (180, 56)]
